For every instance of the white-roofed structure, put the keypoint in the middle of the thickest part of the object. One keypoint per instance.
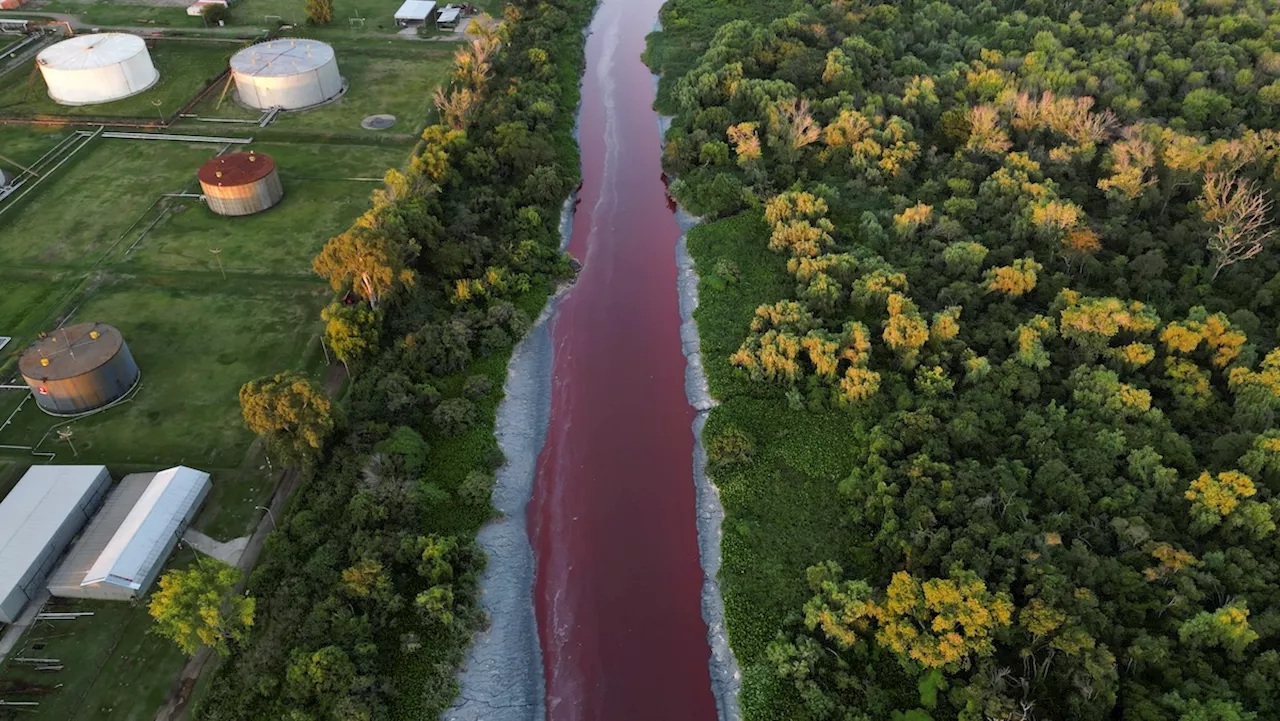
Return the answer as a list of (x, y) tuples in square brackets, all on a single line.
[(90, 69), (415, 12), (287, 73), (135, 553), (448, 18), (38, 519)]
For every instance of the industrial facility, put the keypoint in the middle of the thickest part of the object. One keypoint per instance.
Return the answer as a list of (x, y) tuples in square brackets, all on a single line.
[(91, 69), (241, 183), (120, 554), (38, 519), (78, 369), (289, 74)]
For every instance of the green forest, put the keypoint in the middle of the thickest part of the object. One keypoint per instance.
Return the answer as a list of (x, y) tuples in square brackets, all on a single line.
[(990, 302)]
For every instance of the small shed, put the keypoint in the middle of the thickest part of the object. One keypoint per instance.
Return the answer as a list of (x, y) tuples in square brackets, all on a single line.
[(415, 12), (133, 557), (38, 519), (449, 17)]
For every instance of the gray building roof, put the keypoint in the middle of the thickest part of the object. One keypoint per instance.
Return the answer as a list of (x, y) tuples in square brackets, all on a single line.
[(148, 533), (38, 519), (65, 582)]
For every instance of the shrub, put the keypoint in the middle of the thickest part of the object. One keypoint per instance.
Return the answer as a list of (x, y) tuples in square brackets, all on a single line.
[(476, 488), (477, 387), (454, 416), (730, 446)]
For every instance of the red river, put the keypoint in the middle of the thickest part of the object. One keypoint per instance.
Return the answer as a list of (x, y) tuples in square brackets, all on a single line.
[(612, 523)]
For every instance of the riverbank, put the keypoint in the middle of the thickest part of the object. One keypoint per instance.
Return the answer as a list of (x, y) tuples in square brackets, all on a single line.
[(726, 678)]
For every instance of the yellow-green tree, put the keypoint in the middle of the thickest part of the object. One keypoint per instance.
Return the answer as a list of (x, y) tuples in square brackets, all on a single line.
[(942, 622), (367, 262), (350, 331), (198, 607), (1014, 280), (290, 412), (319, 12)]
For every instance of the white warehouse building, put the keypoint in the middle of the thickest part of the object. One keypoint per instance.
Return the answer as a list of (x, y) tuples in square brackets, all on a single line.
[(38, 520), (123, 550), (289, 74), (91, 69)]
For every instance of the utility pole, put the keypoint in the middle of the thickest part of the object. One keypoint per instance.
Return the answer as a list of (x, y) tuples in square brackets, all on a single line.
[(217, 253)]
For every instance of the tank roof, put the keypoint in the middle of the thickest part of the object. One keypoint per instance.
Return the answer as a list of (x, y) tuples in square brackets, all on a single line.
[(278, 58), (71, 351), (88, 52), (239, 168)]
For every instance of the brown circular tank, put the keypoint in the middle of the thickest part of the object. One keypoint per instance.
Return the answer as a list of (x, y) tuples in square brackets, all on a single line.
[(79, 368), (241, 183)]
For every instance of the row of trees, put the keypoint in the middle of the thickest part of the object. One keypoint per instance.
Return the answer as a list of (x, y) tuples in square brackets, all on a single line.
[(366, 597), (1029, 250)]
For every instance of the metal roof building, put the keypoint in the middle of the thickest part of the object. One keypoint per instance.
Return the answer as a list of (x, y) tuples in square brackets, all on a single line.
[(134, 555), (38, 519), (415, 12), (65, 581)]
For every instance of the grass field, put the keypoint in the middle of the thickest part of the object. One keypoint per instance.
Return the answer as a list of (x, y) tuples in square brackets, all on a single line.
[(26, 145), (113, 670), (82, 214), (385, 76), (184, 66), (195, 349), (317, 200)]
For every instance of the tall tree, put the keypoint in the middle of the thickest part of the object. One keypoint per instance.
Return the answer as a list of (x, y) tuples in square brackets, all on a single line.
[(290, 412), (1238, 211), (198, 607), (319, 12), (367, 261), (351, 331)]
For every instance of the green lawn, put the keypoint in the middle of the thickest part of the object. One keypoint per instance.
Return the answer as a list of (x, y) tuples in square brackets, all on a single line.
[(108, 13), (384, 76), (113, 670), (25, 145), (318, 203), (381, 82), (195, 350), (185, 68), (25, 304), (79, 216), (231, 510)]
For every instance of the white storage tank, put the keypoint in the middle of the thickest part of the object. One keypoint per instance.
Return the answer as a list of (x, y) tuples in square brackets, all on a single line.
[(287, 74), (91, 69)]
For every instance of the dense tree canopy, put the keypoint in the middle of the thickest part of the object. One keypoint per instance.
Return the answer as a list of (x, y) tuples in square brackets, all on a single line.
[(1028, 249)]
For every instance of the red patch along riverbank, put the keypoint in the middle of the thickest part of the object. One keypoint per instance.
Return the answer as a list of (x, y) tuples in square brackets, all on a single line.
[(612, 520)]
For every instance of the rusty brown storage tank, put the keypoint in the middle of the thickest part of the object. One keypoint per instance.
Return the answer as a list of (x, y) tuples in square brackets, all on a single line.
[(78, 368), (241, 183)]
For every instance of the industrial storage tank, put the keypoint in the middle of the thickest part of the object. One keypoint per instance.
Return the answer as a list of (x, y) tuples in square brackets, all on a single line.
[(287, 74), (89, 69), (240, 183), (78, 368)]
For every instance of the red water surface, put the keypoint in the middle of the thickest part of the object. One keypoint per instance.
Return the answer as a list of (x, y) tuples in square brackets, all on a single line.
[(612, 521)]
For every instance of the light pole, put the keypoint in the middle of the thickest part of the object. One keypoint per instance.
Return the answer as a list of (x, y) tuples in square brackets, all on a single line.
[(269, 515), (158, 113), (65, 434), (217, 254)]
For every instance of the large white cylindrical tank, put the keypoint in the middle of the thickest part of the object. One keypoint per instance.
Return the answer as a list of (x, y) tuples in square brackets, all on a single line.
[(90, 69), (287, 74)]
